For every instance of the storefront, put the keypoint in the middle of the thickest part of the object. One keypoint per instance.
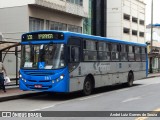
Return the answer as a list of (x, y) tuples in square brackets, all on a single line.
[(155, 54)]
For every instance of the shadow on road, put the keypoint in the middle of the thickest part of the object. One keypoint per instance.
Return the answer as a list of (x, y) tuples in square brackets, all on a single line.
[(49, 96)]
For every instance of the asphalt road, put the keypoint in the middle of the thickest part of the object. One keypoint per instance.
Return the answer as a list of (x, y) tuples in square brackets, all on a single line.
[(143, 96)]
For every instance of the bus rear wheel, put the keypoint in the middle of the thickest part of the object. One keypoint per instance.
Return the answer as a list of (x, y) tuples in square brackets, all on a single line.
[(87, 86), (130, 79)]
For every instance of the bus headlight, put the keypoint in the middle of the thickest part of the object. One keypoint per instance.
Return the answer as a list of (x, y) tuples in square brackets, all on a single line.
[(24, 80), (20, 75), (61, 77)]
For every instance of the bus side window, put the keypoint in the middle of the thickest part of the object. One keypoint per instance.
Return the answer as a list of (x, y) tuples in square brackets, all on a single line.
[(123, 52), (143, 53), (131, 55), (137, 53), (115, 52)]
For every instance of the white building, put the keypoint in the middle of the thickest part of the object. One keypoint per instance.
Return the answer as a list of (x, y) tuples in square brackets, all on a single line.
[(126, 20), (20, 16)]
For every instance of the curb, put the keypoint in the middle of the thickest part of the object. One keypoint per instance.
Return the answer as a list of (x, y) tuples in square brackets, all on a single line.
[(13, 97), (153, 76)]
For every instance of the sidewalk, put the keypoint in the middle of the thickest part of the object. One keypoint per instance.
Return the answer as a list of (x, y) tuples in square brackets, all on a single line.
[(13, 92), (151, 75)]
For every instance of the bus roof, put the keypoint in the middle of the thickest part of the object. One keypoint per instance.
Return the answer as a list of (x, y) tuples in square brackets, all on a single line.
[(74, 34)]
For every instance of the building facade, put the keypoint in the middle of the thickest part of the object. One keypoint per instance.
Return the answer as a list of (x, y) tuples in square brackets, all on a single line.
[(99, 13), (126, 20), (22, 16), (30, 15)]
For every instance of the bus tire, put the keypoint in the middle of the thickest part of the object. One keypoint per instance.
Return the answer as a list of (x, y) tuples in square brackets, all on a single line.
[(87, 86), (130, 79)]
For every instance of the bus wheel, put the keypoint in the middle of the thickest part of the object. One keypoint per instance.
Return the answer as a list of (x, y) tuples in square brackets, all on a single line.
[(130, 79), (87, 86)]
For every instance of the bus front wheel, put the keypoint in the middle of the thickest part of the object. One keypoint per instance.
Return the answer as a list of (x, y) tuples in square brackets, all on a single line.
[(87, 86)]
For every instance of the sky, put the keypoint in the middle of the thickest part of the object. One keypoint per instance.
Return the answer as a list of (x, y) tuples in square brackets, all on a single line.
[(156, 11)]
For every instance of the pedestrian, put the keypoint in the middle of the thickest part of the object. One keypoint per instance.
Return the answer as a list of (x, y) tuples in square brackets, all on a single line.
[(2, 68)]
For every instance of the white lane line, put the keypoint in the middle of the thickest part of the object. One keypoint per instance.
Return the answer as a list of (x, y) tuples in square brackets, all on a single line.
[(132, 99), (90, 97), (121, 90), (50, 106), (43, 108), (65, 102), (144, 85)]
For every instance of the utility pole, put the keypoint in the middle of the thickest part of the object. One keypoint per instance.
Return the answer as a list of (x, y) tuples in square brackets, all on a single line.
[(151, 57)]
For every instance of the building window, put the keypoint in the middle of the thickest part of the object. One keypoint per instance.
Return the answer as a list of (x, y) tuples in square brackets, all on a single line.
[(57, 26), (35, 24), (52, 25), (134, 32), (135, 20), (126, 17), (78, 2), (141, 22), (126, 30), (141, 34), (74, 28)]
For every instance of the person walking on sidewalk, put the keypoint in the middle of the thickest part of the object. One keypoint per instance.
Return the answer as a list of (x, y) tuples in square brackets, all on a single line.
[(2, 68)]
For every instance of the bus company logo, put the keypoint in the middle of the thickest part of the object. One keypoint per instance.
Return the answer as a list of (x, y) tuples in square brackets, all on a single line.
[(101, 66), (6, 114)]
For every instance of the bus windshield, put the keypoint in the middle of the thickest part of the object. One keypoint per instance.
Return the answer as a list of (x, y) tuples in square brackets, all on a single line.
[(43, 56)]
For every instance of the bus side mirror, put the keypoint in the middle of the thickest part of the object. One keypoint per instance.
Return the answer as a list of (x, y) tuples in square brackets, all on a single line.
[(74, 54)]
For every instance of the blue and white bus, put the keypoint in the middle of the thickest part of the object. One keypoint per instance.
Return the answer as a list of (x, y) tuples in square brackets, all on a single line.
[(62, 61)]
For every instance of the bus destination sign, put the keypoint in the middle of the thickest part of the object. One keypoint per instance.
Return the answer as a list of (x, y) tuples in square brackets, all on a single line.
[(42, 36)]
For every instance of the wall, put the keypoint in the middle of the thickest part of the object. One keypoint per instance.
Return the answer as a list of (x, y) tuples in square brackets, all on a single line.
[(116, 22), (11, 3), (14, 21)]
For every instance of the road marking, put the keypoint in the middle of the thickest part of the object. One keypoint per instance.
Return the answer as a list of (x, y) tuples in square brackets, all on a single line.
[(51, 106), (121, 90), (132, 99), (144, 85), (153, 112), (90, 97), (43, 108)]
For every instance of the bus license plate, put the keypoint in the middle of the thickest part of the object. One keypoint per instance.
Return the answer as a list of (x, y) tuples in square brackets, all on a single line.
[(38, 86)]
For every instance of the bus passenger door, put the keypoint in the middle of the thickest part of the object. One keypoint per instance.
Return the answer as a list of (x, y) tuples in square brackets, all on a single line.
[(74, 58), (74, 54)]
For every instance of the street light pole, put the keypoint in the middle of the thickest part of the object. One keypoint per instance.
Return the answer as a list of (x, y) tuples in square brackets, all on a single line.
[(151, 57)]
